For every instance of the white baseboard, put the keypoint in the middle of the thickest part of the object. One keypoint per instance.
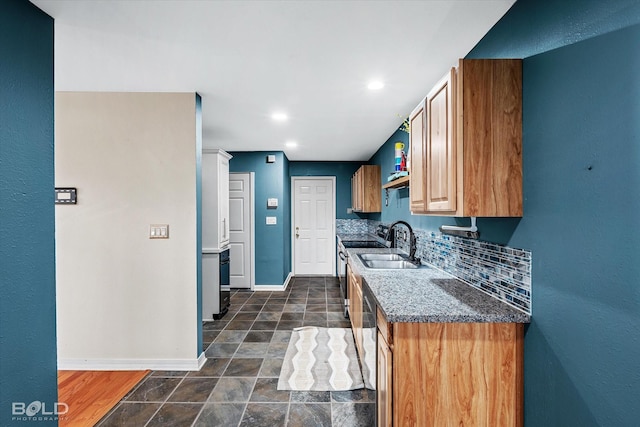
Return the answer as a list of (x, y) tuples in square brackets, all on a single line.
[(202, 359), (132, 364), (283, 287)]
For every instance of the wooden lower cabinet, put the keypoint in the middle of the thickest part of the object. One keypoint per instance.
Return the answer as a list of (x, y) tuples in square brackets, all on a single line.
[(446, 374), (384, 383)]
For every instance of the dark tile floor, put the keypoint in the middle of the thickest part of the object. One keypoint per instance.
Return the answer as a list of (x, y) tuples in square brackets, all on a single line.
[(238, 384)]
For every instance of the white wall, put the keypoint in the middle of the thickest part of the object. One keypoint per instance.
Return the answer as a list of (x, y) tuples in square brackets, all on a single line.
[(124, 300)]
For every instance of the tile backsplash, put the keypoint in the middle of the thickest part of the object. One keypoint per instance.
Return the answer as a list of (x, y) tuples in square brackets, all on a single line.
[(352, 226), (501, 271)]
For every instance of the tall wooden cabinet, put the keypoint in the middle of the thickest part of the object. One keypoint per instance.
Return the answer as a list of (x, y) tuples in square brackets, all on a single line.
[(471, 156), (366, 189)]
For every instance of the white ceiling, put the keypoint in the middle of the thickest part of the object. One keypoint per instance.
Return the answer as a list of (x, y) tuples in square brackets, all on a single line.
[(248, 59)]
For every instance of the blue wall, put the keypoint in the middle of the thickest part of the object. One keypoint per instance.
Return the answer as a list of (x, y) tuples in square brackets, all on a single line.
[(581, 151), (343, 171), (581, 184), (28, 369), (582, 155), (273, 242)]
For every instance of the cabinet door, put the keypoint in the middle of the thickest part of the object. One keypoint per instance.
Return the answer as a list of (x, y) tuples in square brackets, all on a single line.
[(489, 133), (384, 384), (355, 192), (223, 200), (416, 150), (441, 190), (350, 293)]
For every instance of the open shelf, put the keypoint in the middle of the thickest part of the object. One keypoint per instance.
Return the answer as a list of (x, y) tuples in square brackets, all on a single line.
[(397, 183)]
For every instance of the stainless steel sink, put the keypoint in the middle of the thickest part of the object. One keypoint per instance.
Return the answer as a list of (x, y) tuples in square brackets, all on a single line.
[(396, 264), (381, 257), (386, 261)]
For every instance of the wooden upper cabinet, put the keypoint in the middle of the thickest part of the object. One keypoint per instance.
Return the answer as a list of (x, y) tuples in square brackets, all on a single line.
[(416, 151), (490, 137), (472, 155), (441, 190), (366, 189), (355, 199)]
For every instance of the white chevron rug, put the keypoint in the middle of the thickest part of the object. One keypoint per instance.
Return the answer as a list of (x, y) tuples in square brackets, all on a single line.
[(320, 359)]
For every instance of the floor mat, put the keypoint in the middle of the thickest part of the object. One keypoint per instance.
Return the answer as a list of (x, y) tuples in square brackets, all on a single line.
[(321, 359)]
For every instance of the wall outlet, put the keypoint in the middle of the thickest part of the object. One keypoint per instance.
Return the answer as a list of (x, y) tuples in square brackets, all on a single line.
[(272, 220)]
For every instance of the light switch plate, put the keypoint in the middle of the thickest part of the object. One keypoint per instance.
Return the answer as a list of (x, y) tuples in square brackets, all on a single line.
[(159, 231), (272, 203), (272, 220)]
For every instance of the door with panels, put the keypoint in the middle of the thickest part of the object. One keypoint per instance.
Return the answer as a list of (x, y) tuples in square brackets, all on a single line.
[(241, 229), (313, 225)]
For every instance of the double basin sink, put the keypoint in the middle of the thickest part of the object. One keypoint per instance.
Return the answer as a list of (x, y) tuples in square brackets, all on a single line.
[(386, 261)]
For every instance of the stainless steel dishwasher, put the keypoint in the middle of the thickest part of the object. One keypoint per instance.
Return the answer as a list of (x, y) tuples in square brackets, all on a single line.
[(369, 336)]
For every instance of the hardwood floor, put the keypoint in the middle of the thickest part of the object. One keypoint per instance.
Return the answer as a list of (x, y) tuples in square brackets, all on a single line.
[(91, 394)]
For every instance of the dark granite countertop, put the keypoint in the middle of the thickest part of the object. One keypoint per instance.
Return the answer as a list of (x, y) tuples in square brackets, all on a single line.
[(427, 294)]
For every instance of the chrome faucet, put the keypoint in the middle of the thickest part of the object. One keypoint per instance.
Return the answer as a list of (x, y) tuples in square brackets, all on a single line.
[(412, 240)]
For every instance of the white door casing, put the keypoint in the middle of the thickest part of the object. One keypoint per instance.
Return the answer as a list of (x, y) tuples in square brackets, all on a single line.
[(241, 226), (313, 225)]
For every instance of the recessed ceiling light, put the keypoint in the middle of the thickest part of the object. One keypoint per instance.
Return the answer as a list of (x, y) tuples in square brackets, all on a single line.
[(279, 117), (291, 144), (375, 85)]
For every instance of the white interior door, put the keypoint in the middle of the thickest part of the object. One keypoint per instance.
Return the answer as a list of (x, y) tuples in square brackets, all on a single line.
[(241, 230), (313, 225)]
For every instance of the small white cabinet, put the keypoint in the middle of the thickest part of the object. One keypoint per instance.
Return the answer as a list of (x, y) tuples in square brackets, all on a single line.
[(215, 199), (210, 285)]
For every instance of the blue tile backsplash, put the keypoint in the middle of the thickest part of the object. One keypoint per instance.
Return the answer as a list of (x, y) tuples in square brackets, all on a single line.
[(352, 226), (501, 271)]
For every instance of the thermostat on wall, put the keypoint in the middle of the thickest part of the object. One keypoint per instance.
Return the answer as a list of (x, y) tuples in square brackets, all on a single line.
[(66, 196)]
